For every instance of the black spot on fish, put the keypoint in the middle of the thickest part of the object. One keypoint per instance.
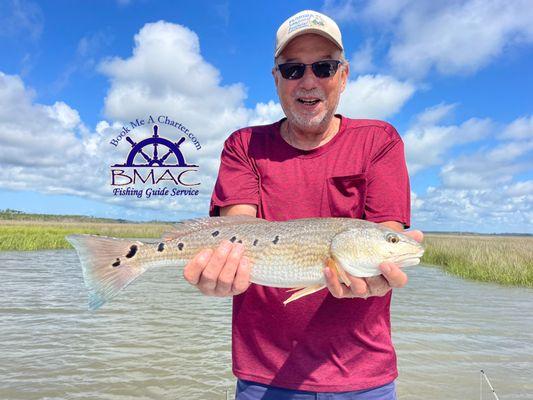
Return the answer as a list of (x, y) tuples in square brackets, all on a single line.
[(116, 263), (239, 241), (233, 239), (276, 240), (255, 242), (161, 246), (133, 250), (215, 233), (180, 246)]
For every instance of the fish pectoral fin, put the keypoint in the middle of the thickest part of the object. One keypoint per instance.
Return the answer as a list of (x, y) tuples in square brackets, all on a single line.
[(303, 292), (337, 270)]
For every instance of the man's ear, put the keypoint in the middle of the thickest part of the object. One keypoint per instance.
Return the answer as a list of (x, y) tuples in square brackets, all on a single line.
[(275, 76), (344, 74)]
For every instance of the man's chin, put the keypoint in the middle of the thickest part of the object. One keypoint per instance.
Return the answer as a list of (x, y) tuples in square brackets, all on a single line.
[(309, 122)]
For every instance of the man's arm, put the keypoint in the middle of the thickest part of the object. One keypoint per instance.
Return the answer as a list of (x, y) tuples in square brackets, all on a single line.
[(239, 209), (224, 271), (392, 275)]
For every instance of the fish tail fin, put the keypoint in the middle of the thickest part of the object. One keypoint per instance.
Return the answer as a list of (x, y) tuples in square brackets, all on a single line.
[(108, 265)]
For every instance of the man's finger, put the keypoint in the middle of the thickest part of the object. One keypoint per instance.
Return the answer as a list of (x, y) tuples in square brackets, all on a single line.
[(194, 268), (208, 280), (242, 277), (394, 275), (359, 287), (333, 284), (227, 273), (416, 235)]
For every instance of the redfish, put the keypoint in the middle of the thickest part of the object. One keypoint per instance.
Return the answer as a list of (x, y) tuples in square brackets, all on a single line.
[(290, 254)]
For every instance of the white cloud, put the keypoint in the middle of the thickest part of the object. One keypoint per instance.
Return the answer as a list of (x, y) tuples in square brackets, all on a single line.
[(505, 209), (266, 113), (374, 96), (521, 128), (434, 115), (427, 144), (479, 189), (34, 135), (361, 60), (48, 149), (167, 74), (458, 37), (451, 37), (488, 168)]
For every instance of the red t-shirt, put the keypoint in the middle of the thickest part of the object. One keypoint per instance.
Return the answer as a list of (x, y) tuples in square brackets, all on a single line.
[(318, 343)]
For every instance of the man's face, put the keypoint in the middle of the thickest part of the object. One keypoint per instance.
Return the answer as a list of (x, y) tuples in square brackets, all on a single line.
[(299, 97)]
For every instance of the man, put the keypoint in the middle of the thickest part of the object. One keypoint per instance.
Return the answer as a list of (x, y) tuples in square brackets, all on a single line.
[(312, 163)]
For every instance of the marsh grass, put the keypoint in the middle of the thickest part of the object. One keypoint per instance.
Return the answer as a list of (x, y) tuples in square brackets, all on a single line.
[(506, 260), (32, 235)]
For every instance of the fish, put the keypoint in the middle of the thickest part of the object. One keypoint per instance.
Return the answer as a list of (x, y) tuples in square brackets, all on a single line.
[(290, 254)]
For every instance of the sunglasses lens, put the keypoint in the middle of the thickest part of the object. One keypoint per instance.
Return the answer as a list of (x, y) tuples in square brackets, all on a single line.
[(325, 69), (292, 70), (321, 69)]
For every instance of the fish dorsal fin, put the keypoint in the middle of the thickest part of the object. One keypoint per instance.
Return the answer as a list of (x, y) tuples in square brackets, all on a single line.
[(192, 225)]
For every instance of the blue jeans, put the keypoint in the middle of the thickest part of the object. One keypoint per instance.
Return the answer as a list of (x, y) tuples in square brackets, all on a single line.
[(255, 391)]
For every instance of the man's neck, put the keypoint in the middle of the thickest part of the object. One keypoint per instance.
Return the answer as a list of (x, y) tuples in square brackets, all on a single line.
[(309, 140)]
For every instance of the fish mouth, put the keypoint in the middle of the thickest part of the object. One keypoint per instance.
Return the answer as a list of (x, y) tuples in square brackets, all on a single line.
[(406, 260)]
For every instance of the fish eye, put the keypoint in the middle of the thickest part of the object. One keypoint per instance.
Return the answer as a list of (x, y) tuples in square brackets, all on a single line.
[(392, 238)]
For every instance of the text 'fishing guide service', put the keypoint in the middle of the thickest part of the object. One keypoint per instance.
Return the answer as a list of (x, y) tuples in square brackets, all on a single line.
[(155, 164)]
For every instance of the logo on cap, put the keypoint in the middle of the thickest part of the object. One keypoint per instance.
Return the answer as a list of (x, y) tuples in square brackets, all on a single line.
[(316, 21), (305, 21)]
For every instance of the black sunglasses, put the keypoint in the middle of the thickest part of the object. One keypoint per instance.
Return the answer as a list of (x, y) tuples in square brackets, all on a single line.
[(321, 69)]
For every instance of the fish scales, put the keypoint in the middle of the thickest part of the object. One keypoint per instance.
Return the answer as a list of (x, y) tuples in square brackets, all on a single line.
[(285, 255), (282, 254)]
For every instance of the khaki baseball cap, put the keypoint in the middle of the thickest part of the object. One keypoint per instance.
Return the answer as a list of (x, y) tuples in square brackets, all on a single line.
[(307, 21)]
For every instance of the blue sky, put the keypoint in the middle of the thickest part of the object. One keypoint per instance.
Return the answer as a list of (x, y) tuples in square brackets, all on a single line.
[(453, 77)]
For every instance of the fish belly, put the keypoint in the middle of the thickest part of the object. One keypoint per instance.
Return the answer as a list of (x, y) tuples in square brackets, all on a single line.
[(286, 275)]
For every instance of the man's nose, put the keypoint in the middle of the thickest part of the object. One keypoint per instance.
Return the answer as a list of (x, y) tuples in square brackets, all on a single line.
[(308, 80)]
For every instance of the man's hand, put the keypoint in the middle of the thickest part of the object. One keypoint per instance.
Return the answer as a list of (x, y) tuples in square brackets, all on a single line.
[(222, 272), (392, 277)]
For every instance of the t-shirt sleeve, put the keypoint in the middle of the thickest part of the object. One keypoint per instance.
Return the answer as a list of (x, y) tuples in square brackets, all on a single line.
[(237, 181), (388, 191)]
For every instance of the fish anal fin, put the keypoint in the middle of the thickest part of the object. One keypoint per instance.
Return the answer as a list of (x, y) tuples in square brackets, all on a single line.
[(338, 271), (294, 289), (304, 292)]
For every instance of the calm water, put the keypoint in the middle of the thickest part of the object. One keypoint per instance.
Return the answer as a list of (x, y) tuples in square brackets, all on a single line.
[(161, 339)]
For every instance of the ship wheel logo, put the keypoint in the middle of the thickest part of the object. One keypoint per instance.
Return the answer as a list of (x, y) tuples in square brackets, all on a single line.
[(147, 152)]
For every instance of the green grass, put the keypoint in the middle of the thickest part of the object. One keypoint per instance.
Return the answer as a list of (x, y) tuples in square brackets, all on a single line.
[(14, 215), (507, 260), (25, 235)]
